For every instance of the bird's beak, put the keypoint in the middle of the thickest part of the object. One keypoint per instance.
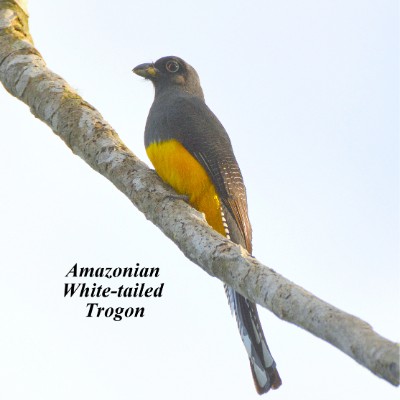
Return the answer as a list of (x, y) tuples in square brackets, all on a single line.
[(147, 70)]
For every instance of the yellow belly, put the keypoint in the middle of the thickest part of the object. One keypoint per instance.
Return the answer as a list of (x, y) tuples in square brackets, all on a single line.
[(185, 174)]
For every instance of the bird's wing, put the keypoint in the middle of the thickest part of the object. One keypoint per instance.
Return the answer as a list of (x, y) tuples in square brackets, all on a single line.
[(205, 138)]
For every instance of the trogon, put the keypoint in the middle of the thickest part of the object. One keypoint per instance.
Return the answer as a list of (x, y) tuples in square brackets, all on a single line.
[(191, 151)]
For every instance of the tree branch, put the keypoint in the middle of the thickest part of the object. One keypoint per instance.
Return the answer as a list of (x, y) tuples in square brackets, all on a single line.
[(24, 74)]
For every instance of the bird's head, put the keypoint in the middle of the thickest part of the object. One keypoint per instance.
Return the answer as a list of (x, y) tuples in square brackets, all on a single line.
[(171, 73)]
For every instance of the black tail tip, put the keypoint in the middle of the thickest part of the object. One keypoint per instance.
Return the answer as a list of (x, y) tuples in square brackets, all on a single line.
[(277, 381), (274, 382)]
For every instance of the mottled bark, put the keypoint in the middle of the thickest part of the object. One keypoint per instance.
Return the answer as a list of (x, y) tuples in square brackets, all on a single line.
[(25, 75)]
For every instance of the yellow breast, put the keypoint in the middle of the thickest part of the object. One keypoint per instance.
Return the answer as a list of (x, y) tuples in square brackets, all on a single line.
[(185, 174)]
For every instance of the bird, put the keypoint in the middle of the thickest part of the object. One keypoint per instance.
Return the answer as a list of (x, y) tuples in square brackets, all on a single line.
[(192, 152)]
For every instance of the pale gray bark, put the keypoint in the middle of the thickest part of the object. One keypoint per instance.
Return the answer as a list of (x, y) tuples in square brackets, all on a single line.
[(25, 75)]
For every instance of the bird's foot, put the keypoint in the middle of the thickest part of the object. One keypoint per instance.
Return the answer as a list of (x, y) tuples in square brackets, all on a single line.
[(178, 197)]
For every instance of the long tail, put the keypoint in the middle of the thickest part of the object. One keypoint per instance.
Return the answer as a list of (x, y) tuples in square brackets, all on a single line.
[(262, 364)]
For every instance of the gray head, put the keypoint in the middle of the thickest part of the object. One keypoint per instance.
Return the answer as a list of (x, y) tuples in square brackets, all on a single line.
[(171, 73)]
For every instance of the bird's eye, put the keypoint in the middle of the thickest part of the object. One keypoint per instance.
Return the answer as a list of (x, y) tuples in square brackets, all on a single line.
[(172, 66)]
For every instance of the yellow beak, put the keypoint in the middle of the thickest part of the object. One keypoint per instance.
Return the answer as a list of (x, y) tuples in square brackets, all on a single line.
[(147, 70)]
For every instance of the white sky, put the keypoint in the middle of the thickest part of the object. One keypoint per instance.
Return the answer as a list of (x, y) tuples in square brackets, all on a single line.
[(308, 92)]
